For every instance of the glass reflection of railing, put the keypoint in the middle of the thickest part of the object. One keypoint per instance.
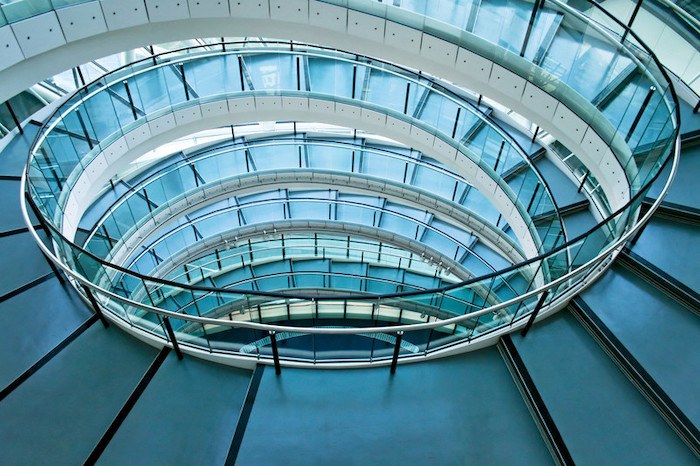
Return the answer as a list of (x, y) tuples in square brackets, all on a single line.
[(650, 136)]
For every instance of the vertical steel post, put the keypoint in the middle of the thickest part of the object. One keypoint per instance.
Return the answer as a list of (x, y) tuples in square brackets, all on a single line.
[(84, 128), (454, 128), (533, 17), (647, 99), (405, 103), (583, 181), (14, 117), (95, 305), (632, 18), (131, 100), (275, 352), (171, 335), (397, 349), (500, 152), (184, 82), (43, 224), (533, 316)]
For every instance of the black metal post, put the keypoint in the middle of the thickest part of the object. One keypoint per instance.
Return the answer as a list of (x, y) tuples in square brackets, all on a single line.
[(533, 316), (454, 128), (131, 100), (583, 180), (43, 224), (354, 79), (14, 117), (534, 136), (80, 75), (184, 82), (84, 128), (397, 348), (533, 16), (240, 72), (696, 109), (638, 234), (223, 45), (532, 199), (498, 158), (95, 305), (171, 335), (405, 102), (632, 18), (647, 99), (275, 353)]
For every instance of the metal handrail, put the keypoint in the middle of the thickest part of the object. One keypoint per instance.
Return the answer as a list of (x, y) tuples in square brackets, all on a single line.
[(607, 253)]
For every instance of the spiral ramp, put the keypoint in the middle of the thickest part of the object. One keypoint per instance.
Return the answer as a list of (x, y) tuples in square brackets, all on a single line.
[(609, 379)]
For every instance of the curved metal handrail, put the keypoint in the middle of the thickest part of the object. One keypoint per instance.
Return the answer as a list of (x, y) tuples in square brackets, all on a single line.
[(606, 254)]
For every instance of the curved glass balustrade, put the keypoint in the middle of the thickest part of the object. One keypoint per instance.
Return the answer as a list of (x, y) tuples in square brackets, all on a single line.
[(305, 205), (432, 320), (369, 167)]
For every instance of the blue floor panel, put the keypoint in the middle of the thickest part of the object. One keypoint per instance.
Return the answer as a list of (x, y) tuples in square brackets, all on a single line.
[(22, 256), (630, 307), (577, 223), (14, 157), (34, 322), (192, 424), (10, 212), (685, 189), (456, 411), (600, 414), (563, 189), (672, 247), (61, 412), (689, 121)]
